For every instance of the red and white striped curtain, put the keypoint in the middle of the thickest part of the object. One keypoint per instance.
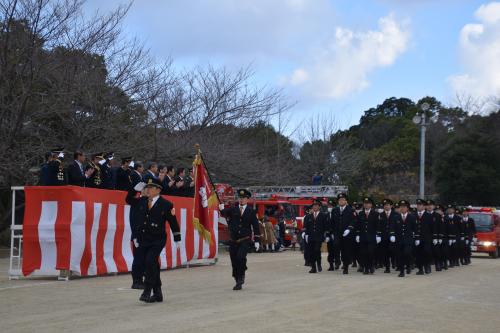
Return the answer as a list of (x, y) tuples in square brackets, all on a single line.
[(87, 231)]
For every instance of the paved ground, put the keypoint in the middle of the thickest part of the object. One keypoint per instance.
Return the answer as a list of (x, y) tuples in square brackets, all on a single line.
[(280, 296)]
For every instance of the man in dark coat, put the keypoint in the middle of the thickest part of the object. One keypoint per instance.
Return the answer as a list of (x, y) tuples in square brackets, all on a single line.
[(385, 252), (344, 219), (56, 175), (423, 238), (153, 212), (242, 221), (77, 175), (366, 235), (402, 235), (123, 175), (334, 234), (470, 234), (452, 224), (315, 225)]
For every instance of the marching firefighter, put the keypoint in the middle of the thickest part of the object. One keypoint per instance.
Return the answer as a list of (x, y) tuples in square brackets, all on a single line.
[(461, 246), (402, 236), (241, 220), (423, 238), (436, 236), (470, 234), (385, 253), (443, 238), (334, 235), (366, 235), (452, 224), (152, 213), (344, 218), (314, 228)]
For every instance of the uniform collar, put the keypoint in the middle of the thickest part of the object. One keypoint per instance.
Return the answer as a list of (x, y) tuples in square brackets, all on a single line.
[(153, 201)]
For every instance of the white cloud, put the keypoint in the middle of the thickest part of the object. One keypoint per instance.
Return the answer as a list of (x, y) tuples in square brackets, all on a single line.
[(343, 63), (479, 47)]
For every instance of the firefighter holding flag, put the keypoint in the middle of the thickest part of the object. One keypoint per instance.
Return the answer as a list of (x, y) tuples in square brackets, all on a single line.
[(241, 219)]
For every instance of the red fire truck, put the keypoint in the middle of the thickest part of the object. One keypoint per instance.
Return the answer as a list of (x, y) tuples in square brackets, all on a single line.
[(488, 230), (286, 204)]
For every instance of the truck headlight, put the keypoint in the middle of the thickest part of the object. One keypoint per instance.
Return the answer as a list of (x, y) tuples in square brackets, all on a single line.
[(487, 243)]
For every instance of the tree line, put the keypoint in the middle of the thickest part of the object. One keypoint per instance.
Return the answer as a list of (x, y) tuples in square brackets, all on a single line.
[(79, 82)]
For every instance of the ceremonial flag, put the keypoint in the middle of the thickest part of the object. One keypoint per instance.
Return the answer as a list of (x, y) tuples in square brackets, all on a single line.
[(205, 199)]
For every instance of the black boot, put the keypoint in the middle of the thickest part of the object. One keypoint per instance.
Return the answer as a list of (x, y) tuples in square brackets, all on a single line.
[(420, 271), (345, 270), (428, 269), (313, 268), (146, 295), (331, 267), (402, 273), (238, 284), (157, 295), (319, 266), (387, 269)]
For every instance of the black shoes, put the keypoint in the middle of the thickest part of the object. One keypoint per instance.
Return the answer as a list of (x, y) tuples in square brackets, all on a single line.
[(387, 270), (345, 270), (331, 268), (402, 273), (420, 272), (239, 283)]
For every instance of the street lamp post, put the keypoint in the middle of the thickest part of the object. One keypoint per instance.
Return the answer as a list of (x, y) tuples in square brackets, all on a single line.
[(421, 120)]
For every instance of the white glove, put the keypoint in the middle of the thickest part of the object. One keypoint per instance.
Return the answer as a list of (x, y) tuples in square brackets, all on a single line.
[(131, 164), (61, 155), (393, 239), (453, 241), (140, 186), (136, 243), (332, 237), (177, 245), (257, 246), (440, 241), (221, 207), (474, 239), (303, 235), (450, 242), (327, 239), (346, 232), (101, 162), (357, 239), (466, 242), (462, 238), (417, 242), (307, 238), (434, 241), (379, 239)]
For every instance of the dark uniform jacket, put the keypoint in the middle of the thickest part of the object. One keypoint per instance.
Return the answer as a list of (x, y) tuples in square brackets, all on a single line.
[(437, 226), (123, 179), (148, 225), (56, 174), (424, 230), (343, 220), (241, 226), (44, 175), (453, 227), (107, 177), (135, 177), (95, 180), (168, 190), (404, 229), (366, 226), (470, 228), (147, 176), (76, 176), (315, 228), (384, 224)]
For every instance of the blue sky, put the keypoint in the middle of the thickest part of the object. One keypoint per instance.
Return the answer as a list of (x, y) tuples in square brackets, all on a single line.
[(335, 58)]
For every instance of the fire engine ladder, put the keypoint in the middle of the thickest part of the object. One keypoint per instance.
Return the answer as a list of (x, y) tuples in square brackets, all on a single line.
[(297, 191)]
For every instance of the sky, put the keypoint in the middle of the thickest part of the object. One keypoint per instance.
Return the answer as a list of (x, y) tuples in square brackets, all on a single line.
[(333, 59)]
